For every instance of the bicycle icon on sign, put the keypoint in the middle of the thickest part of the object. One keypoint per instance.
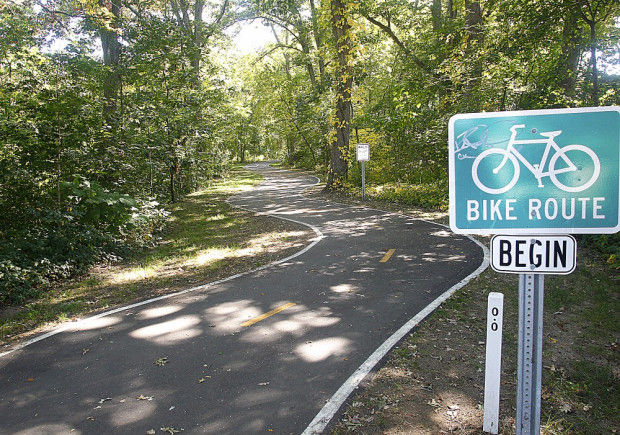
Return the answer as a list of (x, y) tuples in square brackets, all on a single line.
[(584, 155)]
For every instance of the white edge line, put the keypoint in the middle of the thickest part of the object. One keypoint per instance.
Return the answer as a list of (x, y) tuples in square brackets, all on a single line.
[(75, 324), (322, 419), (331, 407)]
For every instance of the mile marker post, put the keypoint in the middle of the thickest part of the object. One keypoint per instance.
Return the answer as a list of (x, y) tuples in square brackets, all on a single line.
[(493, 362)]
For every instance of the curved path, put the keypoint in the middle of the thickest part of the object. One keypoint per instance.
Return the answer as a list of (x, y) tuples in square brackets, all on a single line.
[(338, 302)]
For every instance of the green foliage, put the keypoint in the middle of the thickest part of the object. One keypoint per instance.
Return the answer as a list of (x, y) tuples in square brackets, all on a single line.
[(414, 66), (607, 245), (57, 244), (89, 148)]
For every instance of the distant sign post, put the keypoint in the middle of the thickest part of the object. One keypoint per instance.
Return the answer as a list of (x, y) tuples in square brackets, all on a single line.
[(363, 155), (532, 178)]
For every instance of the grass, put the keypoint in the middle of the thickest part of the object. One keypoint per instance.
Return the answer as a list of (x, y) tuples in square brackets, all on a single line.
[(205, 240)]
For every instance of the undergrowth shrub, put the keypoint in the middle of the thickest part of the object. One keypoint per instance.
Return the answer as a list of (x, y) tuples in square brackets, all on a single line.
[(607, 245), (432, 195), (94, 224)]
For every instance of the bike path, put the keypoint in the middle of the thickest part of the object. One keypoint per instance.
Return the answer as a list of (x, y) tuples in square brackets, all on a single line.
[(218, 376)]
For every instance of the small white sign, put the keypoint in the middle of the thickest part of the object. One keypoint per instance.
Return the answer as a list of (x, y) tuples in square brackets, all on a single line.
[(493, 362), (363, 152), (534, 254)]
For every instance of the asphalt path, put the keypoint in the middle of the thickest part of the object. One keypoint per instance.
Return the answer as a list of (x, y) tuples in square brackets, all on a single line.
[(205, 361)]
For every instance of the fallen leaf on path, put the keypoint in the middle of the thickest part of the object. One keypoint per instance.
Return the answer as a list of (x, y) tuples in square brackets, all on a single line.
[(161, 361), (201, 380), (433, 403), (143, 397), (452, 414), (85, 351), (150, 432), (30, 380), (170, 430)]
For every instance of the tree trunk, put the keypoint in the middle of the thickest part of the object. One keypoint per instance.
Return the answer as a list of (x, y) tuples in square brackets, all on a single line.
[(305, 47), (198, 43), (339, 149), (593, 61), (569, 60), (451, 9), (172, 196), (290, 149), (318, 40), (475, 38), (111, 47), (436, 15)]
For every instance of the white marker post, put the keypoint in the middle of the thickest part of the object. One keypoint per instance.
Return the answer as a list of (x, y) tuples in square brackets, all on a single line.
[(363, 155), (493, 363)]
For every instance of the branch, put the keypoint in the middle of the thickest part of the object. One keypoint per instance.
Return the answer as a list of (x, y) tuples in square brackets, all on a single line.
[(388, 30), (278, 23), (277, 47), (175, 9), (219, 17), (137, 13)]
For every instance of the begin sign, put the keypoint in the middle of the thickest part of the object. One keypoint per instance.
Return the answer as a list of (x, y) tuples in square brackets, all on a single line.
[(534, 254)]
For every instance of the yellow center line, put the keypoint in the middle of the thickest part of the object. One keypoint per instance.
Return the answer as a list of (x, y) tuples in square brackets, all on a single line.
[(387, 256), (268, 314)]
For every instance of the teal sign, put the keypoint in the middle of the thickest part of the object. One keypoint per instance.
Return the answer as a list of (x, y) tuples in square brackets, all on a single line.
[(535, 172)]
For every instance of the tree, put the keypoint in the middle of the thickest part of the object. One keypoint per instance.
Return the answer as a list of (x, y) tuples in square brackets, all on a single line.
[(343, 79), (595, 13)]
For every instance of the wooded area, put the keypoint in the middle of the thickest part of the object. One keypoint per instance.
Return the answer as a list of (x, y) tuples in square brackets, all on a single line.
[(146, 102)]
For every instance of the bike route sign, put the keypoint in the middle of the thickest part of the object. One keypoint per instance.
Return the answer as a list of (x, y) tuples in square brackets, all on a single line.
[(535, 172)]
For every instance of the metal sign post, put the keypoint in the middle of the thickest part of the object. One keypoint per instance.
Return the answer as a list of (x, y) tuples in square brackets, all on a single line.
[(529, 362), (363, 181), (363, 155)]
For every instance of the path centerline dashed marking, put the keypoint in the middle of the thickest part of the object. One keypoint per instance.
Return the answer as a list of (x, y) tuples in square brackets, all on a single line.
[(387, 256), (268, 314)]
